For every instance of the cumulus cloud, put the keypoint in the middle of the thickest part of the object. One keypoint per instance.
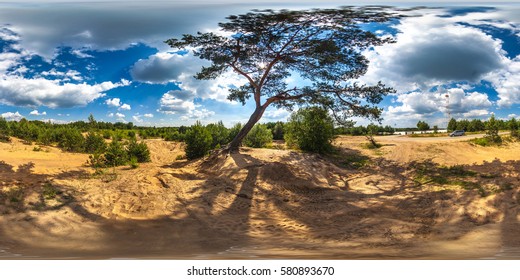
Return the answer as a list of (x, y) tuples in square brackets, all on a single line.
[(109, 25), (148, 115), (18, 91), (70, 75), (10, 116), (507, 83), (137, 118), (430, 50), (36, 113), (125, 107), (163, 68), (276, 114), (417, 106), (172, 102), (114, 102)]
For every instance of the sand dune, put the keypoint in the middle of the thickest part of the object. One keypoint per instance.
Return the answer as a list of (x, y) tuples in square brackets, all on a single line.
[(265, 203)]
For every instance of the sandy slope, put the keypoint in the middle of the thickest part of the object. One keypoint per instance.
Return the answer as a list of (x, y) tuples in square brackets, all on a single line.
[(263, 203)]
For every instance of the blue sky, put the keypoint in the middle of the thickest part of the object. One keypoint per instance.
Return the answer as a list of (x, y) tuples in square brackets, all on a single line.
[(62, 60)]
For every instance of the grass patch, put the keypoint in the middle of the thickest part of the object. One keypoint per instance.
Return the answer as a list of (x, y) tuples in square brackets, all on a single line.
[(4, 138), (106, 175), (355, 161), (49, 191), (371, 146), (488, 175), (486, 141), (417, 135)]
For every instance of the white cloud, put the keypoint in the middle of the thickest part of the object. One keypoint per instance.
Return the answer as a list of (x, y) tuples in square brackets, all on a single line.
[(120, 117), (276, 114), (108, 25), (170, 104), (416, 106), (18, 91), (10, 116), (114, 102), (125, 107), (474, 114), (163, 68), (429, 51), (507, 83), (186, 109), (36, 113), (137, 118), (70, 75), (148, 115)]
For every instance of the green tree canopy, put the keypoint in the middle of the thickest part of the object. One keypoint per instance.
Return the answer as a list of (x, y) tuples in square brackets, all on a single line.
[(422, 125), (323, 48)]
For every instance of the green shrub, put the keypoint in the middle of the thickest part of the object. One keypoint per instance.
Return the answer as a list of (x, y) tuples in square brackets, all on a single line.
[(310, 129), (219, 134), (174, 136), (259, 136), (116, 154), (278, 131), (46, 137), (71, 140), (233, 132), (5, 138), (131, 134), (481, 141), (106, 134), (95, 143), (133, 162), (139, 151), (198, 141), (492, 128), (96, 160)]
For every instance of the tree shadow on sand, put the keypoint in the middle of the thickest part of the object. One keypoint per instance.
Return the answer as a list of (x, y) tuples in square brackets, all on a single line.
[(298, 206)]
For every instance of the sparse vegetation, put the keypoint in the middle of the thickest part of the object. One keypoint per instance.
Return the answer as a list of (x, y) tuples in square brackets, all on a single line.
[(310, 129), (198, 141), (258, 137)]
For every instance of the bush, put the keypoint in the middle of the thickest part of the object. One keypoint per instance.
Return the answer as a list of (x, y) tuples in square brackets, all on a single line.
[(259, 136), (198, 141), (174, 136), (115, 155), (106, 134), (133, 163), (278, 131), (481, 141), (5, 138), (310, 129), (71, 140), (139, 151), (219, 134), (46, 137), (95, 143), (492, 127), (233, 132), (96, 160), (131, 134)]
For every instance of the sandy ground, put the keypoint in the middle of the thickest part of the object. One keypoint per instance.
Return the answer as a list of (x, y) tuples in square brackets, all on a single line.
[(410, 199)]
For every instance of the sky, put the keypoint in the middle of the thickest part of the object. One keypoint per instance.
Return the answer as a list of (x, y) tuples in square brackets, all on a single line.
[(61, 61)]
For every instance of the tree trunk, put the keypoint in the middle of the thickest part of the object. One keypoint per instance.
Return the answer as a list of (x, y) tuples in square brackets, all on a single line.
[(255, 117)]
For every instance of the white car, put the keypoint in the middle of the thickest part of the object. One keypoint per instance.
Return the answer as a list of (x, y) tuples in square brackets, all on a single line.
[(457, 133)]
